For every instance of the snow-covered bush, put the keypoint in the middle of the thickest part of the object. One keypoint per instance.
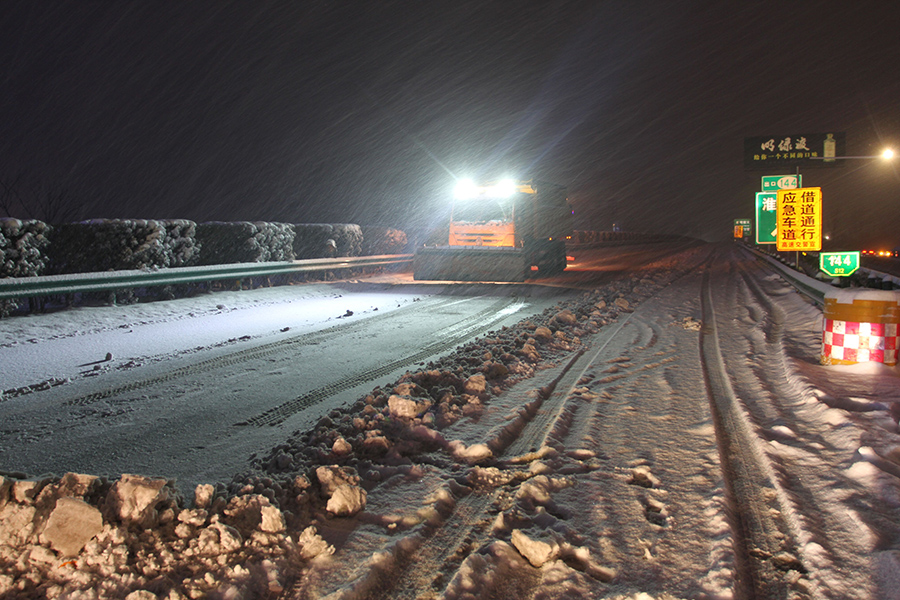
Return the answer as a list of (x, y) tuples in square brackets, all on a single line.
[(182, 248), (384, 240), (311, 240), (108, 245), (243, 241), (349, 239), (278, 239), (23, 247)]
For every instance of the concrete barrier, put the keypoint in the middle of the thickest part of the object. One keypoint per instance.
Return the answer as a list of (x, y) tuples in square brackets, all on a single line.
[(860, 325)]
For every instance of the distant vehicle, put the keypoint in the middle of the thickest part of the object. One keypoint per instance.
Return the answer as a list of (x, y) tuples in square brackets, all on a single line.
[(501, 231), (882, 253)]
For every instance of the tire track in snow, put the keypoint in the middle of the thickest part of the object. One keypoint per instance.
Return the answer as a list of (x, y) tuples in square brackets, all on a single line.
[(424, 563), (553, 417), (553, 422), (437, 551), (776, 411), (433, 562), (451, 337), (469, 525), (257, 352), (543, 430), (584, 401), (764, 547), (641, 418)]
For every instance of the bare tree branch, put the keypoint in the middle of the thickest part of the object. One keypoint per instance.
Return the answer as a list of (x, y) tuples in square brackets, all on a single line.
[(9, 195), (53, 204)]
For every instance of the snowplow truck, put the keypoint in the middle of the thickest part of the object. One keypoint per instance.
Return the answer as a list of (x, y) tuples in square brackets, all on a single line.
[(501, 231)]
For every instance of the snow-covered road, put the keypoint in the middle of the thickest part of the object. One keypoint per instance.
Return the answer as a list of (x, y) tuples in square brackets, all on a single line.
[(664, 432), (193, 396)]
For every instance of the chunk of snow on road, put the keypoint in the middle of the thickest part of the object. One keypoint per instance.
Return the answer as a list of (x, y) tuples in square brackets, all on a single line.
[(406, 408), (138, 499), (470, 454), (536, 551), (71, 525), (341, 487), (784, 432), (642, 476)]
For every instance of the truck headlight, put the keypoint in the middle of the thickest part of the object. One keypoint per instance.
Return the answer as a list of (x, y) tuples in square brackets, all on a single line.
[(505, 188), (465, 188)]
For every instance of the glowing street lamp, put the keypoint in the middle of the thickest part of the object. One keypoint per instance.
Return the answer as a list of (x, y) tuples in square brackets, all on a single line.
[(888, 154)]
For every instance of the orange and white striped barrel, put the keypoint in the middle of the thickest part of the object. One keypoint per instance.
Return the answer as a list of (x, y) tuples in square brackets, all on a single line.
[(860, 325)]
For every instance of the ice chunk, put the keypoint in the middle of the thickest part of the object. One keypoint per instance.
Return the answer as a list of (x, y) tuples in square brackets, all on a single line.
[(341, 486), (471, 454), (71, 525), (536, 551)]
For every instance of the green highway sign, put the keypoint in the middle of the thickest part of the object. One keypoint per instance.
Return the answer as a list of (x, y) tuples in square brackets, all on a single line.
[(772, 183), (742, 228), (839, 264), (766, 224)]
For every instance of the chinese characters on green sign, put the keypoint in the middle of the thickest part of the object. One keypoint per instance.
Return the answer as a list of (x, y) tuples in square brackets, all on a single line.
[(765, 217)]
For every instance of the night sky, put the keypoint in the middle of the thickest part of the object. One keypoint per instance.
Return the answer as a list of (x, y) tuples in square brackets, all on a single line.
[(355, 111)]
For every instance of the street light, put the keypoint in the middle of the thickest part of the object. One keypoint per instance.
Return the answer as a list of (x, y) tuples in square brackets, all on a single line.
[(888, 154)]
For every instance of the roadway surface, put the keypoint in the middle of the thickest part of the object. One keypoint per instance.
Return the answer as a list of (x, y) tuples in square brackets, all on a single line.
[(689, 446), (196, 386)]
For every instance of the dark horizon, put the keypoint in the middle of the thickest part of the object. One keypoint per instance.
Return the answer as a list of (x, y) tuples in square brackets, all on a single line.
[(366, 113)]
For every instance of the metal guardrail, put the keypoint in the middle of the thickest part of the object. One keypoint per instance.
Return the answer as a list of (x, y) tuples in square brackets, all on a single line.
[(25, 287), (811, 288)]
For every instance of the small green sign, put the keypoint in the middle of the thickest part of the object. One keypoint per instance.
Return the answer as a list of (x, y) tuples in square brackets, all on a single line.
[(773, 183), (766, 224), (746, 227), (839, 264)]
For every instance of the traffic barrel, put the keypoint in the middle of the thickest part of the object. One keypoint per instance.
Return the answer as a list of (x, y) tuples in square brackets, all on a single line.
[(860, 325)]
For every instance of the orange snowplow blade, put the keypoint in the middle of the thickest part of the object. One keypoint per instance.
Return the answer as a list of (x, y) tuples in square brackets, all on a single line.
[(469, 263)]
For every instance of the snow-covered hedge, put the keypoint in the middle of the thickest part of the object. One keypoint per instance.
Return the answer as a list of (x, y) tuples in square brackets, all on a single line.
[(23, 247), (243, 241), (116, 244), (181, 244), (384, 240), (311, 239), (349, 239)]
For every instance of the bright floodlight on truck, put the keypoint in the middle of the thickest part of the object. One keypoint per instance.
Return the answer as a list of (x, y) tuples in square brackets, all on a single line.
[(504, 188), (465, 189), (502, 230), (888, 154)]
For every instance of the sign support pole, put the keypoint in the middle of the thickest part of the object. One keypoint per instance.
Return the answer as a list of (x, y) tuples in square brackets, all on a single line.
[(797, 253)]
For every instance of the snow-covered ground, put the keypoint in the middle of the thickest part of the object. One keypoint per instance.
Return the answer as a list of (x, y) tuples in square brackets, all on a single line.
[(192, 398), (665, 434), (65, 344)]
